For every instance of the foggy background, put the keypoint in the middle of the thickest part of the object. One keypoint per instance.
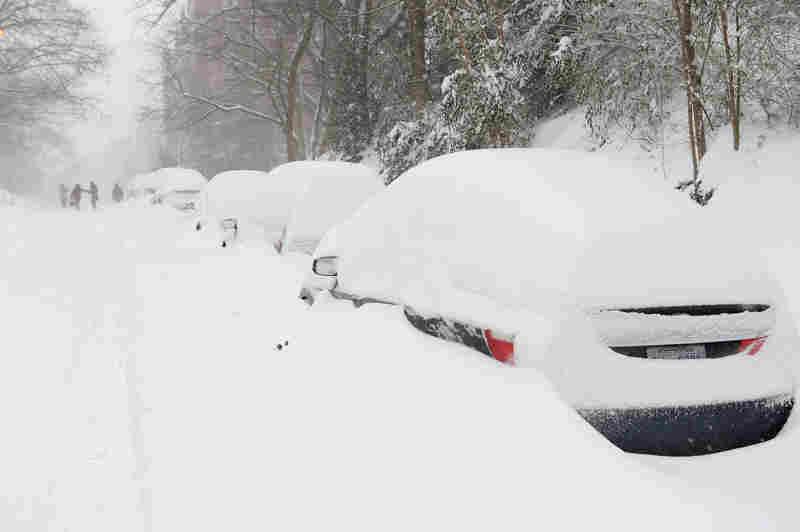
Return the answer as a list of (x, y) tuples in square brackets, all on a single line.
[(111, 145)]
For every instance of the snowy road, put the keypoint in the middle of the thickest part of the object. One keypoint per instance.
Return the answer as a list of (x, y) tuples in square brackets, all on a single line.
[(87, 299), (70, 315), (141, 390)]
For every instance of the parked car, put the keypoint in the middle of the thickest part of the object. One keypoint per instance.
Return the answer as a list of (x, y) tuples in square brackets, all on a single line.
[(186, 200), (257, 204), (643, 311), (141, 185), (176, 187), (334, 190)]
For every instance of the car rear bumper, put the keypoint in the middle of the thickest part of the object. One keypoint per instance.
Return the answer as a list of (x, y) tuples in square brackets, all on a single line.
[(760, 393), (692, 430)]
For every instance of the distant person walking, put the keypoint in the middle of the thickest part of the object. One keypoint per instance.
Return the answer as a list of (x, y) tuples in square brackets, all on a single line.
[(117, 194), (75, 197), (94, 194), (63, 194)]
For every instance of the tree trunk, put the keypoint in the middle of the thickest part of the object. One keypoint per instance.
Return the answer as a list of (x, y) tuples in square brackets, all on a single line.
[(317, 145), (291, 90), (737, 131), (734, 112), (300, 129), (697, 135), (418, 84), (366, 30)]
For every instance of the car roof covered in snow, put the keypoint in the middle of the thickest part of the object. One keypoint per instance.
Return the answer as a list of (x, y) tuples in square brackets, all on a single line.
[(166, 180), (265, 198), (142, 181), (172, 179), (333, 192), (511, 228)]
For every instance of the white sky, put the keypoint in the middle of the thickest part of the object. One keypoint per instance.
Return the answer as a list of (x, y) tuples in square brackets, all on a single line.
[(120, 89)]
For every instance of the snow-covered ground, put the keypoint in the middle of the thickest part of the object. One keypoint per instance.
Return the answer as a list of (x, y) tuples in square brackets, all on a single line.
[(142, 389)]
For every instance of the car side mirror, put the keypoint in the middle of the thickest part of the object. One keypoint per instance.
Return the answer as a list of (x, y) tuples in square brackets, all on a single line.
[(326, 266)]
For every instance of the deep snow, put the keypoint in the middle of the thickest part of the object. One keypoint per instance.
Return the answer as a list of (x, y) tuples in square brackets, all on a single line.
[(143, 389), (334, 191)]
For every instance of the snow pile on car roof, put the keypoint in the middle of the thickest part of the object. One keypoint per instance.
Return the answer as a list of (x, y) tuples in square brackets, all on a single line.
[(172, 179), (253, 196), (491, 229), (166, 180), (334, 191)]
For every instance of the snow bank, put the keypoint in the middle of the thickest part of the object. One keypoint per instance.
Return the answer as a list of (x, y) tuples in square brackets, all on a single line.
[(766, 475), (669, 161), (757, 188), (756, 202), (334, 191), (341, 429)]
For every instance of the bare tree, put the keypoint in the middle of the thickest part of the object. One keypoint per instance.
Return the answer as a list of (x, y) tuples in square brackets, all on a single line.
[(48, 47), (154, 12), (254, 59)]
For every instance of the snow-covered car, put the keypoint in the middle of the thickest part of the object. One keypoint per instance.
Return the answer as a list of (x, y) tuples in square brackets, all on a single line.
[(334, 190), (644, 312), (140, 186), (177, 187), (257, 203), (186, 200)]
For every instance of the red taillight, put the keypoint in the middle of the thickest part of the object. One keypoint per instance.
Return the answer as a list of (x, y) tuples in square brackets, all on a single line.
[(752, 346), (501, 346)]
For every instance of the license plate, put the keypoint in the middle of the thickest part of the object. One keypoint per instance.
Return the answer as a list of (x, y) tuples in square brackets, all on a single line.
[(677, 352)]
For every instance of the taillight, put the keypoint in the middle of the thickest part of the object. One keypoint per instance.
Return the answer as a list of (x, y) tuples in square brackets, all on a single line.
[(752, 346), (500, 345)]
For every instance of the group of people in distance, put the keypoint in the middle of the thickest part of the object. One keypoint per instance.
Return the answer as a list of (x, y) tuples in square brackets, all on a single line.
[(73, 198)]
